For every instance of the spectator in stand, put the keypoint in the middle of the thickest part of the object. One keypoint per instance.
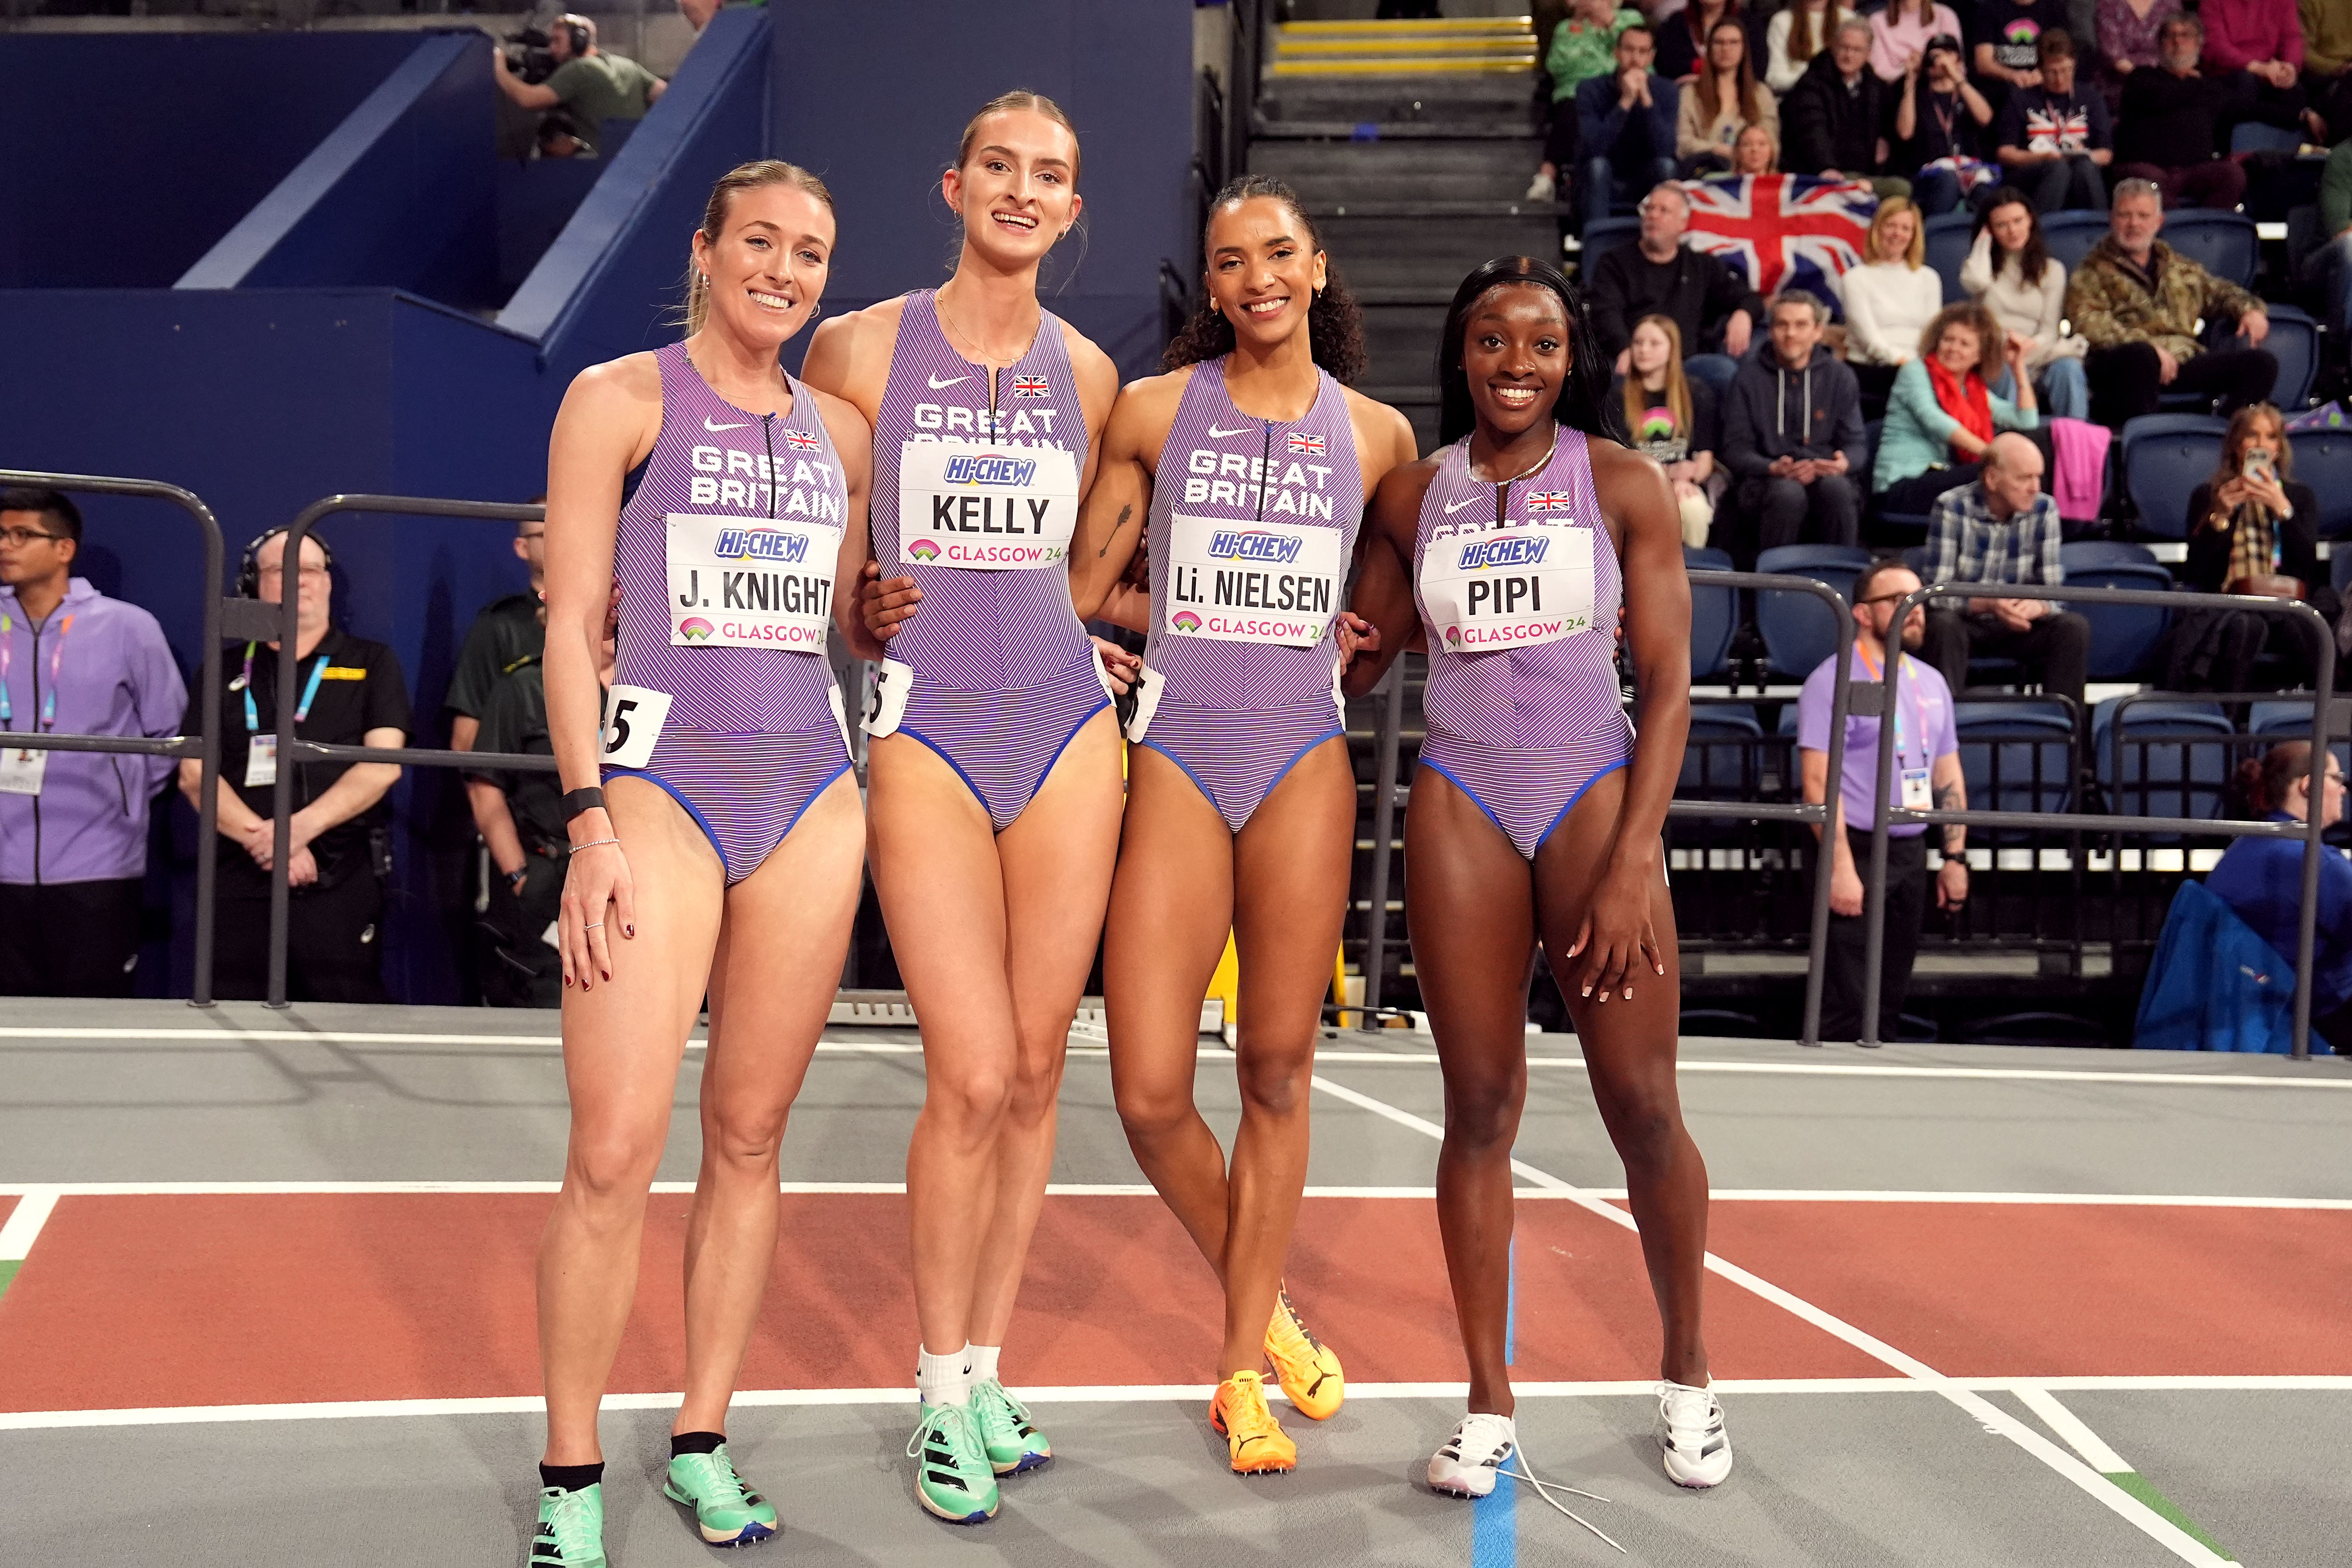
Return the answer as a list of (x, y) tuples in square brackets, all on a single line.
[(595, 85), (2328, 268), (2003, 529), (2054, 139), (507, 636), (1900, 34), (1726, 98), (1672, 419), (1583, 46), (2010, 272), (1793, 432), (2173, 120), (1943, 417), (1939, 116), (1889, 300), (2252, 530), (2138, 302), (73, 825), (2264, 40), (1626, 125), (2127, 33), (559, 136), (1682, 35), (351, 693), (1797, 32), (2005, 43), (1757, 152), (1927, 774), (2326, 51), (2262, 881), (1837, 116), (1711, 306)]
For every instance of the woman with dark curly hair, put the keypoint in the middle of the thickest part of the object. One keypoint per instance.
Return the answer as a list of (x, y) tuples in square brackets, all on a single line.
[(1247, 461), (1536, 813)]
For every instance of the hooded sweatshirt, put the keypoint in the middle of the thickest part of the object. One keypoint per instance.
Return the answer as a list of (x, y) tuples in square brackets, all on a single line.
[(1772, 411)]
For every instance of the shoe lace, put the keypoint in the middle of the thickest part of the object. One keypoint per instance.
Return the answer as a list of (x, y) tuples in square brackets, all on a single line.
[(572, 1520), (1691, 1415), (999, 1412), (715, 1480), (1290, 1327), (1525, 1472), (1247, 1414), (953, 1425)]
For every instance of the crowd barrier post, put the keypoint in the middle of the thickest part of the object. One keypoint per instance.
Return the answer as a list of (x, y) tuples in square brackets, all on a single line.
[(291, 750), (1889, 813), (204, 748)]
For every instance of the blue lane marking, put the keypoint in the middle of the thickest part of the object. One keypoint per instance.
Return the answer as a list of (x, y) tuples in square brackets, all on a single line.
[(1494, 1519), (1511, 1308)]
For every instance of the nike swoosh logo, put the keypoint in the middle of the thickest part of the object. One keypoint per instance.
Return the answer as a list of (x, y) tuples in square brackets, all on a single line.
[(1217, 434), (1453, 506), (939, 385), (714, 429)]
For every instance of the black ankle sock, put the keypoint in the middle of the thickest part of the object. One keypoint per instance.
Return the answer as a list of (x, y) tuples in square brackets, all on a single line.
[(572, 1477), (694, 1442)]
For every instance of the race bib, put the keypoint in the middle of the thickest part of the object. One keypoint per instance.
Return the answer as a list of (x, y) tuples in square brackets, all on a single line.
[(1251, 582), (750, 582), (986, 508), (1150, 687), (634, 716), (886, 698), (261, 761), (1509, 587), (21, 769)]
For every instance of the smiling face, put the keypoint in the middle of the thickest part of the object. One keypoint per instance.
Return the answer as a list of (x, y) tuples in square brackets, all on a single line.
[(1017, 190), (1958, 350), (1516, 354), (1895, 235), (768, 268), (2012, 224), (1264, 269)]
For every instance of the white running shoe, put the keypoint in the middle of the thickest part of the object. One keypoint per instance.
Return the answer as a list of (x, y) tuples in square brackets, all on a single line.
[(1691, 1433), (1466, 1465), (1541, 188)]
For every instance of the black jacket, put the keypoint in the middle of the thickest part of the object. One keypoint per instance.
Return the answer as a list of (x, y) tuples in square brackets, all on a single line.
[(1773, 412), (1695, 289), (1826, 125), (2173, 122), (2298, 541)]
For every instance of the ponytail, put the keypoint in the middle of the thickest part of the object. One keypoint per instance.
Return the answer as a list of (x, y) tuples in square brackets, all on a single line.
[(1335, 323), (742, 177), (2263, 783)]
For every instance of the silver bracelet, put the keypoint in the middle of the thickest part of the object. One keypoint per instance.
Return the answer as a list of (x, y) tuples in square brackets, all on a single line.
[(592, 844)]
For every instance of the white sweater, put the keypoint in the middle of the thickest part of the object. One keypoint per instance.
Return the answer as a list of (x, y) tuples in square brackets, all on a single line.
[(1888, 305), (2030, 311), (1779, 74)]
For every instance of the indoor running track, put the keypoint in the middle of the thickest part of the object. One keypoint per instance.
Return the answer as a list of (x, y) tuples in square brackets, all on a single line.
[(268, 1300)]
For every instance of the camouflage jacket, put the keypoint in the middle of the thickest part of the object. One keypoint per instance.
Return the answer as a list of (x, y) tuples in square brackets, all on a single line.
[(2108, 305)]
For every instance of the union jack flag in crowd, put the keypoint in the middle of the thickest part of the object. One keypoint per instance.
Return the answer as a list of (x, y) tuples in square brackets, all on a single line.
[(1028, 386), (1550, 500), (1783, 231), (799, 441), (1312, 446)]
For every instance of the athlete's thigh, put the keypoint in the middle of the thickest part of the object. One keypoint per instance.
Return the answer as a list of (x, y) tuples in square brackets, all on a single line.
[(1171, 903), (622, 1040), (1057, 857), (1469, 905), (780, 954), (1291, 864), (1629, 1044), (936, 872)]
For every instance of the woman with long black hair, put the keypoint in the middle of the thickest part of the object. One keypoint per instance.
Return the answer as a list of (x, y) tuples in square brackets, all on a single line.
[(1536, 813)]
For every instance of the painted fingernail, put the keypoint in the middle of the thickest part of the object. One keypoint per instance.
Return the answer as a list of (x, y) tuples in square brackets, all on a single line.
[(1629, 994), (608, 976), (1587, 991)]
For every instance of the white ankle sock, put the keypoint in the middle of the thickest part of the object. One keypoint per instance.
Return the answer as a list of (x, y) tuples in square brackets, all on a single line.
[(942, 1379), (980, 1360)]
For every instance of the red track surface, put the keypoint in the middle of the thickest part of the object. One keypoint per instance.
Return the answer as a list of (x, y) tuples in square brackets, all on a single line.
[(146, 1301)]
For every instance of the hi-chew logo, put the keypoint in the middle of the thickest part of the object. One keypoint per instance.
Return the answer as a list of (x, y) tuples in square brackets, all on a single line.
[(760, 544), (1251, 544), (695, 630), (923, 550), (1514, 550), (1185, 621), (996, 469)]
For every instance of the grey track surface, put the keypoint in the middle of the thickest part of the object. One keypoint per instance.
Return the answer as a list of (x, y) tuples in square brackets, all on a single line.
[(1834, 1478)]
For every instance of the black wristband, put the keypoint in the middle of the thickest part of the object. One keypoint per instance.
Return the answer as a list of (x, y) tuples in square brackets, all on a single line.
[(580, 800)]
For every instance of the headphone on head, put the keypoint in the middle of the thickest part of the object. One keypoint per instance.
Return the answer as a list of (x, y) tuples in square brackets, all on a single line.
[(577, 31), (249, 565)]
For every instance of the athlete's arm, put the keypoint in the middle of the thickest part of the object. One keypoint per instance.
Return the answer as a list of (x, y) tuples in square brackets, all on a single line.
[(608, 425), (1617, 934), (854, 443), (1098, 381), (1111, 519), (849, 357), (1383, 594), (1384, 441)]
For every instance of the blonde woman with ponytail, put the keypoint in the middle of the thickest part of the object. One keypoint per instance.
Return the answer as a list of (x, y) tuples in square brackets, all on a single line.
[(716, 837)]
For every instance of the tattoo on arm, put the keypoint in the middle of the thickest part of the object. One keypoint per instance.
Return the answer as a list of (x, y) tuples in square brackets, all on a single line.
[(1954, 835), (1124, 513)]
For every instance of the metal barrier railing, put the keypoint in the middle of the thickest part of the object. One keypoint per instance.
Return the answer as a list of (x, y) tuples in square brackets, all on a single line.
[(1889, 813), (290, 750), (219, 614), (1848, 696)]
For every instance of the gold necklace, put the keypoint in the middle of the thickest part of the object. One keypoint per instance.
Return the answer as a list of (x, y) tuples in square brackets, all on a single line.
[(972, 342)]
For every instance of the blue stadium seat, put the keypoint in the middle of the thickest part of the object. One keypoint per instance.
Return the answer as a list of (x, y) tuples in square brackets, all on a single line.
[(2293, 341), (1948, 235), (2012, 739), (1798, 629), (1719, 760), (2289, 720), (2124, 638), (2248, 136), (2071, 234), (2224, 243), (2323, 459), (2180, 770), (1715, 614), (1603, 235), (2166, 456), (2086, 553)]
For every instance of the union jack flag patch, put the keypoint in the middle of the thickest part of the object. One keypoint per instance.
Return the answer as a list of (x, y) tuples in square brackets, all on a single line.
[(1550, 500), (1028, 386), (799, 441), (1312, 446)]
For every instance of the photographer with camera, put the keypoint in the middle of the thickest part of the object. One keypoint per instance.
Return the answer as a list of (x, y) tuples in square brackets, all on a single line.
[(592, 84)]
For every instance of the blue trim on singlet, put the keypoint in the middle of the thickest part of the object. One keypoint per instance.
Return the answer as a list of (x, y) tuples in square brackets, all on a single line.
[(1439, 769), (942, 752), (1599, 774), (632, 479), (1047, 771), (1271, 784), (1198, 782), (1275, 783), (829, 781), (726, 871)]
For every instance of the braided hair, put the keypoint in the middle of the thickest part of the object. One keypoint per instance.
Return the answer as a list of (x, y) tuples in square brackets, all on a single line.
[(1335, 323)]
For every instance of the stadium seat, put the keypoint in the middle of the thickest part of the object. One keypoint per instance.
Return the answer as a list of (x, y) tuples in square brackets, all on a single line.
[(1949, 236), (1798, 629), (1715, 614), (2175, 758), (2293, 341), (2124, 638), (2166, 456), (2247, 136), (1719, 760), (2224, 243), (1603, 235), (2001, 743), (2288, 719), (2323, 459), (2071, 234), (2085, 553)]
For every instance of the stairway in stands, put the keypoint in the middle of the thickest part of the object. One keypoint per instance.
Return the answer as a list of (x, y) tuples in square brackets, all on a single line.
[(1411, 143)]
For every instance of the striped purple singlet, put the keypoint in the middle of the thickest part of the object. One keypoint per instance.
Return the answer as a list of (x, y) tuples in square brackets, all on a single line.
[(726, 556), (1522, 706), (995, 673), (1252, 529)]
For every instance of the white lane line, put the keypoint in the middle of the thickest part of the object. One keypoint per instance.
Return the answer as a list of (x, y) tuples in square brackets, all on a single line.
[(2154, 1526), (2069, 1426), (34, 1206), (531, 1405)]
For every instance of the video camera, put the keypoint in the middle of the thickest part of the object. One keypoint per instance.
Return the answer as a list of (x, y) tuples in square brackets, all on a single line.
[(528, 55)]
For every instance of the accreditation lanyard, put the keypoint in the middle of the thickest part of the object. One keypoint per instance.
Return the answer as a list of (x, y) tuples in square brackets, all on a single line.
[(48, 721), (1917, 794), (310, 691)]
